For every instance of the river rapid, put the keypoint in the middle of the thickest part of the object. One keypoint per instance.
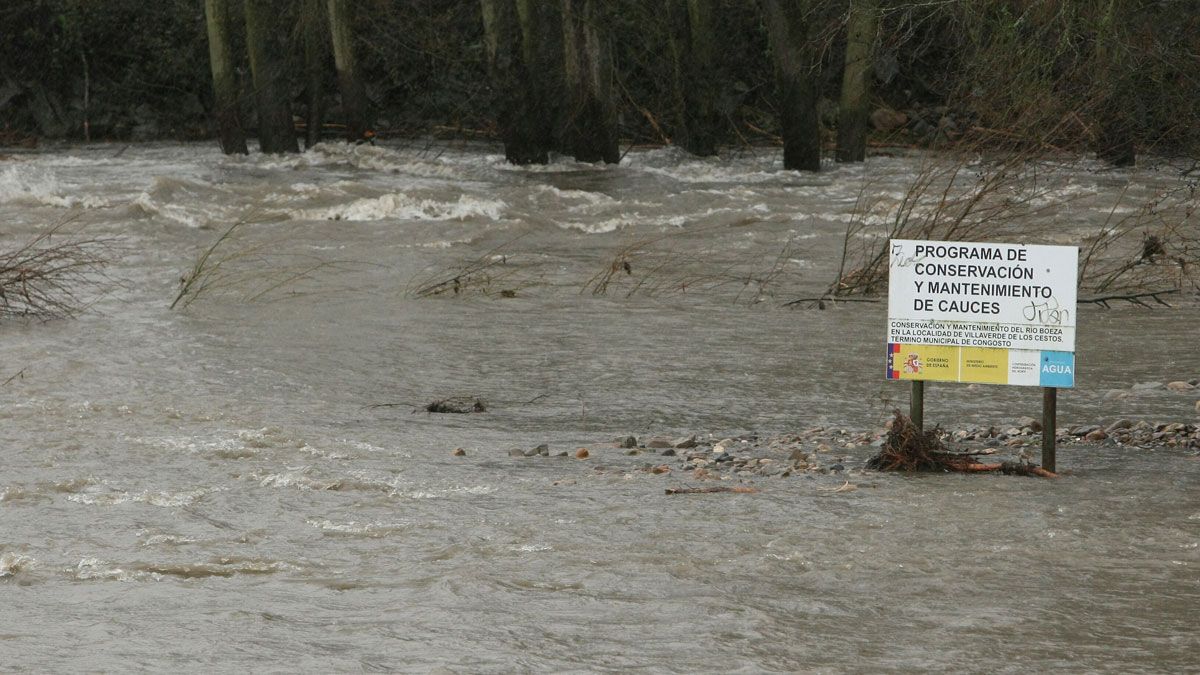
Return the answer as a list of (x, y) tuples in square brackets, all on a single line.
[(216, 487)]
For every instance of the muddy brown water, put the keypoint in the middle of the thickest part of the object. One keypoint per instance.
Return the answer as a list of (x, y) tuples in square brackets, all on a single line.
[(208, 488)]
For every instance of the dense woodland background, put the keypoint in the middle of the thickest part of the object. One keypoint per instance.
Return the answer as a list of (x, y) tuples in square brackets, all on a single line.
[(1077, 75)]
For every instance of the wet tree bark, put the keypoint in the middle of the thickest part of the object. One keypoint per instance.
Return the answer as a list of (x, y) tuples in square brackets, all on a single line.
[(518, 71), (796, 77), (856, 81), (587, 60), (316, 54), (225, 90), (694, 47), (264, 42), (354, 96)]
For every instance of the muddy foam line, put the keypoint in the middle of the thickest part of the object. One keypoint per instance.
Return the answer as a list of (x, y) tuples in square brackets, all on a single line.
[(96, 569)]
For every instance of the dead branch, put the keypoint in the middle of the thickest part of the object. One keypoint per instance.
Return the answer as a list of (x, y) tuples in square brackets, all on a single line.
[(740, 489), (1135, 298)]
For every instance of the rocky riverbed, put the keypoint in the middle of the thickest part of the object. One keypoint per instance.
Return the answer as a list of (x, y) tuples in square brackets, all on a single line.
[(842, 453)]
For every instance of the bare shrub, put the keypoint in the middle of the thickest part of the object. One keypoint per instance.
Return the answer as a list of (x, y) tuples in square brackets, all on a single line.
[(47, 276)]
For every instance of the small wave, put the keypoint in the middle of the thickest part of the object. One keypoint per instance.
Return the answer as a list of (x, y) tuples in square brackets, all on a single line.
[(167, 499), (300, 478), (12, 564), (167, 540), (436, 494), (403, 207), (371, 530), (95, 569), (26, 185), (531, 548)]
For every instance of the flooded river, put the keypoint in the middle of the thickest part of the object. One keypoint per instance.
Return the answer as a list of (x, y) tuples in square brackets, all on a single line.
[(216, 487)]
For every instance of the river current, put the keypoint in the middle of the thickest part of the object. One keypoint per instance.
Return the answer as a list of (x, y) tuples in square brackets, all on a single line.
[(216, 487)]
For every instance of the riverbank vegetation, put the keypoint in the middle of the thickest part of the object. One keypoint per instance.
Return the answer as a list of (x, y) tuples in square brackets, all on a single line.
[(583, 77)]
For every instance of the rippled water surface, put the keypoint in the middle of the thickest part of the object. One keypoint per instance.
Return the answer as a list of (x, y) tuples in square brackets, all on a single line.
[(209, 488)]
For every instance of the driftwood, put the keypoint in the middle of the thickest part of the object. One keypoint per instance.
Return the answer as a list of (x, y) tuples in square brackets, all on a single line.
[(908, 448), (742, 489)]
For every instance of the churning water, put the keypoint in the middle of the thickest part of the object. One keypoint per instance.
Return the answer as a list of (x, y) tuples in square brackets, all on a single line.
[(208, 488)]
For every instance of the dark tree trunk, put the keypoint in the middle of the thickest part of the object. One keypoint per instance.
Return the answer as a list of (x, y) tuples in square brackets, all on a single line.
[(225, 89), (514, 46), (587, 59), (354, 96), (316, 57), (265, 43), (796, 76), (1114, 131), (694, 46), (856, 82)]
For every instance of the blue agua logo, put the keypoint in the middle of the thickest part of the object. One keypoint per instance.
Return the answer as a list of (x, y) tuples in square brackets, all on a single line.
[(1057, 369)]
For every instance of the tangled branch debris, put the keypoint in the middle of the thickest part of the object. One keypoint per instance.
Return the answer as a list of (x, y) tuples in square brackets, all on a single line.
[(907, 448), (45, 276)]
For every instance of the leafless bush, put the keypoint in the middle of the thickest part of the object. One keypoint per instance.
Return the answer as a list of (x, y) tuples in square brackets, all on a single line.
[(954, 197), (46, 276), (1154, 249)]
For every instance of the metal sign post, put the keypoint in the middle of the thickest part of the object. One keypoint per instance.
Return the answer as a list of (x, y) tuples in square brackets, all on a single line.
[(916, 404), (1049, 414)]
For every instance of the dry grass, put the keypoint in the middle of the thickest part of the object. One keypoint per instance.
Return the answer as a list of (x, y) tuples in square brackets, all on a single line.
[(235, 265), (673, 263), (496, 273)]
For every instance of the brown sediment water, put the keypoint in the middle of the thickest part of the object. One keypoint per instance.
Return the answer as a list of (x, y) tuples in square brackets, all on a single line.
[(209, 489)]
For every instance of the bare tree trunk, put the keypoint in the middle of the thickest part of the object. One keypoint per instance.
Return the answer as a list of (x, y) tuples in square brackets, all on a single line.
[(856, 81), (513, 49), (354, 97), (225, 90), (264, 42), (796, 76), (592, 119), (1114, 137), (701, 118), (316, 55)]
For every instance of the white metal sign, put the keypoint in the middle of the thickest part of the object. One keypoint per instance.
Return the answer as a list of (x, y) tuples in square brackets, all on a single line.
[(1008, 296), (980, 312)]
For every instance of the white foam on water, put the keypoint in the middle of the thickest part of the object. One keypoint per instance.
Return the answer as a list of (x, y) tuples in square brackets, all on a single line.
[(403, 207), (159, 498), (12, 564), (167, 540), (438, 494), (31, 185), (371, 529), (531, 548)]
